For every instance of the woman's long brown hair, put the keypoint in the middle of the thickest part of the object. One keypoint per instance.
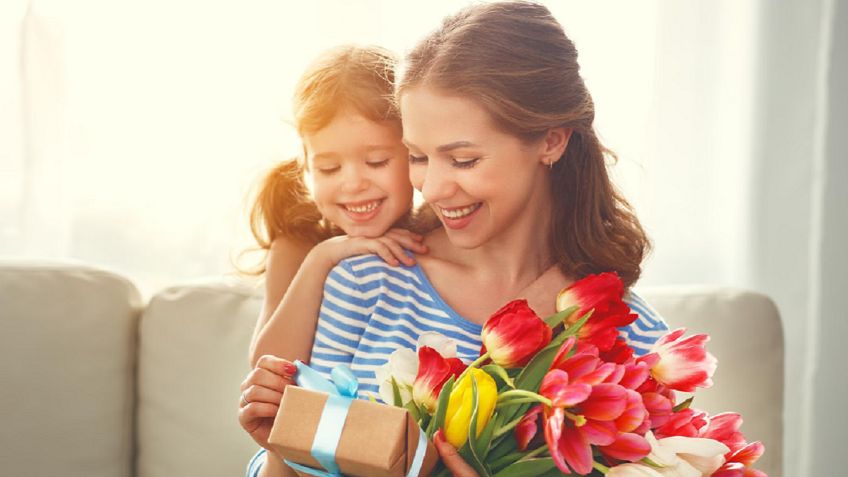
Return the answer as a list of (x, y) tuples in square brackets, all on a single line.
[(516, 61)]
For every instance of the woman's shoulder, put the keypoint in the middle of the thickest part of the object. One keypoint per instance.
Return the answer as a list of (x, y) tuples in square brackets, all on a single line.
[(649, 318)]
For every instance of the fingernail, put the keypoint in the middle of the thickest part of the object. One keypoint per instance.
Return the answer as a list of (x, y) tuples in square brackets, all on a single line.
[(290, 369), (438, 436)]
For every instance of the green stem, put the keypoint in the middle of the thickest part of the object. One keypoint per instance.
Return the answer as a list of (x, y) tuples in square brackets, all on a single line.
[(600, 467), (522, 393), (507, 427), (534, 453)]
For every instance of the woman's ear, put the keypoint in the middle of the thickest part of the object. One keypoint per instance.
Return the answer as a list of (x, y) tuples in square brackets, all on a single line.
[(554, 144)]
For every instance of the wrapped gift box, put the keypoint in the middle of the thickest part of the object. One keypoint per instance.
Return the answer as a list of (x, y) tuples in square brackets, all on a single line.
[(377, 440)]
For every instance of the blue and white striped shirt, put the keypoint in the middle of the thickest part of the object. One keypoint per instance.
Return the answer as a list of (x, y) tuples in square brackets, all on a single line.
[(370, 309)]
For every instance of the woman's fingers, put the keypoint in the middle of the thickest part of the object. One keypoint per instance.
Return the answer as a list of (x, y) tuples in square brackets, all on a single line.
[(260, 394), (263, 377), (451, 458)]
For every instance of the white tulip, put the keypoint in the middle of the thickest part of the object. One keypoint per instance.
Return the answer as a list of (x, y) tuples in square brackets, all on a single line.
[(403, 366), (686, 456)]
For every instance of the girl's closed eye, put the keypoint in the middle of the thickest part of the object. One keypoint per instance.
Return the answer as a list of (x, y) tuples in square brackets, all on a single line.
[(328, 170), (376, 164)]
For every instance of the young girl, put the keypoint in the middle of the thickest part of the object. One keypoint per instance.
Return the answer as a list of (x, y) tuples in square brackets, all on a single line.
[(499, 126), (358, 167)]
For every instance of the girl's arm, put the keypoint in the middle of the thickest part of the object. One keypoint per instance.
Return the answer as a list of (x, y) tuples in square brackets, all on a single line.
[(290, 330), (284, 258)]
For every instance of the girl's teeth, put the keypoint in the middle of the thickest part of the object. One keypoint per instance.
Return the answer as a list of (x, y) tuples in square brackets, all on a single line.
[(361, 209), (459, 213)]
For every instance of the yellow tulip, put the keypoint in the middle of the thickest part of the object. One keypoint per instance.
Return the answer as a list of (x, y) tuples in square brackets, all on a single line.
[(460, 406)]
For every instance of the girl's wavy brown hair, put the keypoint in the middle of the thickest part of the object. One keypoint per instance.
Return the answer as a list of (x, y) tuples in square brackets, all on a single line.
[(360, 78), (516, 61)]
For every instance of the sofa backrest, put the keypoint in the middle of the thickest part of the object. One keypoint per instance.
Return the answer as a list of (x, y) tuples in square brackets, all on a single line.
[(67, 362), (72, 339)]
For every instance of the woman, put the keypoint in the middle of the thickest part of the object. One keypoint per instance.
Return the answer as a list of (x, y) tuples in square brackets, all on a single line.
[(499, 125)]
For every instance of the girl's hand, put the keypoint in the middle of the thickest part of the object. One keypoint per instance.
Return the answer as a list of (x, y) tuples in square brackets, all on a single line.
[(261, 393), (390, 247), (451, 458)]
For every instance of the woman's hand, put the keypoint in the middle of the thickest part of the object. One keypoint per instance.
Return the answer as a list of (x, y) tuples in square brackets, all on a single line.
[(451, 458), (261, 393), (389, 247)]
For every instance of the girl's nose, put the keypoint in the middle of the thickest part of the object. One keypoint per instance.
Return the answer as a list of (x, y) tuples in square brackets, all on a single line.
[(354, 181)]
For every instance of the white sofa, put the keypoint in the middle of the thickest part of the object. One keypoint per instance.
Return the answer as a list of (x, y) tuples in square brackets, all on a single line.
[(95, 383)]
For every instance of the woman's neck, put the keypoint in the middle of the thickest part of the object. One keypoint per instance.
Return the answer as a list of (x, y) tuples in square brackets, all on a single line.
[(514, 258)]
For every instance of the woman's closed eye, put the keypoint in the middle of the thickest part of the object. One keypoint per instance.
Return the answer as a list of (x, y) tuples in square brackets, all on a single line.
[(464, 163), (461, 163)]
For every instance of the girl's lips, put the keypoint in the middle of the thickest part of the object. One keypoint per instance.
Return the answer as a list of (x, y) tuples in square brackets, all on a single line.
[(363, 211)]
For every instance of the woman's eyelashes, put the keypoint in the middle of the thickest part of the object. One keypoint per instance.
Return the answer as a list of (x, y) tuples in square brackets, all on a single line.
[(455, 162)]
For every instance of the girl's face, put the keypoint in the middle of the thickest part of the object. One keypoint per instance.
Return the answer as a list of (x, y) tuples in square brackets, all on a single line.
[(479, 180), (359, 174)]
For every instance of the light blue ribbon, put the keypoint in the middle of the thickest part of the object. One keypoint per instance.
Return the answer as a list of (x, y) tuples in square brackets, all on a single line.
[(342, 391)]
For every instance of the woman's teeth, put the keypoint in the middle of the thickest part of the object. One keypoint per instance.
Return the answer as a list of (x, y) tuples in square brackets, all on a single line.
[(460, 213), (363, 208)]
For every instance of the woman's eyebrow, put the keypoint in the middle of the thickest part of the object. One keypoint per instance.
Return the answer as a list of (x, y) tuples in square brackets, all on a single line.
[(446, 147)]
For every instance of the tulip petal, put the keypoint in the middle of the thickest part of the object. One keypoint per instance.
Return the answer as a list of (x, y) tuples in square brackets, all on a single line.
[(576, 450), (555, 387), (554, 423), (749, 454), (528, 427), (634, 414), (599, 433), (605, 403), (628, 447)]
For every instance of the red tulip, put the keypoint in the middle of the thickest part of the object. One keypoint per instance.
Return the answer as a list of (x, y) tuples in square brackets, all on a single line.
[(683, 364), (514, 334), (724, 428), (604, 294), (433, 373)]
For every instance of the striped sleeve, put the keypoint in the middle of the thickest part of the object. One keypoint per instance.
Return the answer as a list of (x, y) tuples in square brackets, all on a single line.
[(648, 327), (344, 316), (255, 464)]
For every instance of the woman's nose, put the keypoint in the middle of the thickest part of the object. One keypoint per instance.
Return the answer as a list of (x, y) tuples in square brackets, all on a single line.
[(438, 184)]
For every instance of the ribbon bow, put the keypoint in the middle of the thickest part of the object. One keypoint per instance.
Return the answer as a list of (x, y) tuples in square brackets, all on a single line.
[(342, 391)]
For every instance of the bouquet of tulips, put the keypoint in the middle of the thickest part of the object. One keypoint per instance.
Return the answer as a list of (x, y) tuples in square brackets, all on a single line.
[(566, 395)]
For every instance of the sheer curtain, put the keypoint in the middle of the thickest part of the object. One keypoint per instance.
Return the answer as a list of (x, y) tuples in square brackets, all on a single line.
[(132, 132)]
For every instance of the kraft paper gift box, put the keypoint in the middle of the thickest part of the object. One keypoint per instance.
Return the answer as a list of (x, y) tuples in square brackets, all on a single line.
[(376, 440)]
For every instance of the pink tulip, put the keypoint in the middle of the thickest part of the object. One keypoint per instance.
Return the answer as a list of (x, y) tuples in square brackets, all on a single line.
[(683, 364)]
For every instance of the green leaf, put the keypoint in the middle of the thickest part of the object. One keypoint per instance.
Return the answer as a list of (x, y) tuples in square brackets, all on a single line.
[(528, 468), (475, 460), (499, 372), (573, 329), (505, 446), (438, 420), (485, 440), (396, 393), (684, 405), (413, 410), (554, 320)]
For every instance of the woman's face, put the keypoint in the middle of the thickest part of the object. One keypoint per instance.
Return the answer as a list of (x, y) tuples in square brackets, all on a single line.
[(359, 174), (479, 180)]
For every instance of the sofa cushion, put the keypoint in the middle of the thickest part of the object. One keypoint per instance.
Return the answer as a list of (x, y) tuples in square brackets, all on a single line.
[(67, 357), (193, 356), (747, 339)]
